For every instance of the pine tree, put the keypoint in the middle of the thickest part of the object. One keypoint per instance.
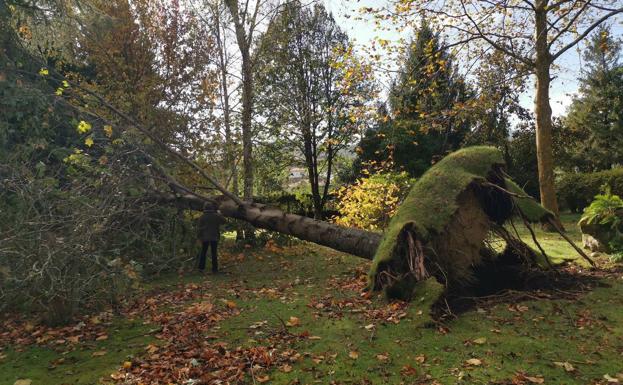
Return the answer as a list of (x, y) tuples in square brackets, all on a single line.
[(426, 102), (596, 114)]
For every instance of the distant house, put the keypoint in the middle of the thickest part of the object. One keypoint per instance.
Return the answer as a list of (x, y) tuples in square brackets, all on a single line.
[(297, 176)]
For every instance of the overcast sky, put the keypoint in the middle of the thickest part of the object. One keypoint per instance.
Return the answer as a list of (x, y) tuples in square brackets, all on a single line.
[(563, 86)]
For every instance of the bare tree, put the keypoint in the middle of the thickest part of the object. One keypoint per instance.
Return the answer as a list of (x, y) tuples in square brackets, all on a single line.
[(246, 16)]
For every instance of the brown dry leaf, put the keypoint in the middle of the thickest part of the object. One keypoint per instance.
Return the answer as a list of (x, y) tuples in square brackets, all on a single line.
[(230, 304), (313, 337), (382, 357), (420, 359), (293, 321), (99, 353), (262, 379), (353, 354), (127, 364), (473, 362), (408, 370), (286, 368), (101, 338), (535, 380), (151, 348), (73, 339)]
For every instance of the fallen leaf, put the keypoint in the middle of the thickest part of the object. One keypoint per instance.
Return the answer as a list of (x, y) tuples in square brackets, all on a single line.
[(480, 341), (382, 357), (74, 339), (408, 370), (231, 304), (23, 382), (262, 379), (127, 364), (420, 359), (293, 321), (535, 380), (286, 368), (369, 327), (353, 354), (567, 366), (99, 353), (313, 337), (102, 337), (610, 379), (473, 362)]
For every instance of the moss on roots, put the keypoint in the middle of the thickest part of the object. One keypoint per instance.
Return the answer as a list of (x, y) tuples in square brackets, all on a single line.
[(440, 230)]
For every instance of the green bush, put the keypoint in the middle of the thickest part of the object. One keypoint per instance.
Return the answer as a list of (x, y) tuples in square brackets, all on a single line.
[(606, 212), (577, 190)]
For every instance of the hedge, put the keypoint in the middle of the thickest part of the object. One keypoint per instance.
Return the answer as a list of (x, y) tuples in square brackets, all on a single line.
[(577, 190)]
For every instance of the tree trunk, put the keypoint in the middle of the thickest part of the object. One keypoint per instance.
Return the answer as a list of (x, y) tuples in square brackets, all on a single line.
[(357, 242), (247, 111), (230, 144), (543, 111)]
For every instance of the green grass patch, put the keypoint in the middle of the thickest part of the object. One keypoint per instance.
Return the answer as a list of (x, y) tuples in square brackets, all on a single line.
[(561, 341)]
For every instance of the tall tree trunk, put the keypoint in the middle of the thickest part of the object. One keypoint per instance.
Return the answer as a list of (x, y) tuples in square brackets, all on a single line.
[(244, 40), (247, 113), (230, 144), (543, 111)]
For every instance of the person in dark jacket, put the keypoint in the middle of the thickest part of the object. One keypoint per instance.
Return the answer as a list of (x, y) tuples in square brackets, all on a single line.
[(208, 234)]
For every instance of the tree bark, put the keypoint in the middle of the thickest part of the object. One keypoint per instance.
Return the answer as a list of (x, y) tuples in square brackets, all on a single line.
[(244, 44), (230, 143), (357, 242), (543, 112)]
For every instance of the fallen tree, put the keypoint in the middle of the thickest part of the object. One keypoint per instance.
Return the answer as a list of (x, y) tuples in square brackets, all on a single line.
[(441, 231)]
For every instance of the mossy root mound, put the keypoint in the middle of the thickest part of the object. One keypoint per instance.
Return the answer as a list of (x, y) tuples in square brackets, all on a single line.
[(442, 228)]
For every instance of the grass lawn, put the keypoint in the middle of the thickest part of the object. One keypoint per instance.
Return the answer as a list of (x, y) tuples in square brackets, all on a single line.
[(303, 304)]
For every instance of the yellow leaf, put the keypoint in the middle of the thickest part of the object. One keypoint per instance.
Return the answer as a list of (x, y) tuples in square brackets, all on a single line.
[(473, 362), (127, 364), (480, 341), (293, 321), (88, 141), (44, 72), (565, 365), (353, 354), (65, 83), (59, 91), (108, 130), (83, 127)]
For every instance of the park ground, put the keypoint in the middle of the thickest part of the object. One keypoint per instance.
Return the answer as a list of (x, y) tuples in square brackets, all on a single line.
[(298, 315)]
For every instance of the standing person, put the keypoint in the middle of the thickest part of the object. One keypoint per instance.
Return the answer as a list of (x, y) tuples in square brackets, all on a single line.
[(208, 233)]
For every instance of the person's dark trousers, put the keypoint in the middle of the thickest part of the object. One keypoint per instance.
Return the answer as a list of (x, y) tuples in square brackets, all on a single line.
[(204, 251)]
